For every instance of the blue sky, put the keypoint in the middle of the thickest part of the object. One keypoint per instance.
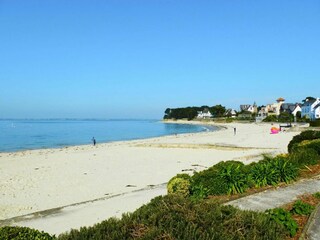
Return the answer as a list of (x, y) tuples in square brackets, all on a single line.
[(134, 58)]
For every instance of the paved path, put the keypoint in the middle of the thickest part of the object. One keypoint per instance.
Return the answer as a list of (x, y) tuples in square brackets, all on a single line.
[(274, 198)]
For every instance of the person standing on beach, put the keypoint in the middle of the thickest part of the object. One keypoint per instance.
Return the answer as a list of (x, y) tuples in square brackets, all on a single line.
[(234, 131), (94, 141)]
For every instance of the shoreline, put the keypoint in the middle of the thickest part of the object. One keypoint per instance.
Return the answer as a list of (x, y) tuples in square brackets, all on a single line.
[(116, 141), (37, 180)]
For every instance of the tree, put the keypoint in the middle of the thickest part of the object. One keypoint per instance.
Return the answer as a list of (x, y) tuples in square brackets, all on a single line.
[(285, 117), (167, 111), (218, 110), (308, 99), (180, 113)]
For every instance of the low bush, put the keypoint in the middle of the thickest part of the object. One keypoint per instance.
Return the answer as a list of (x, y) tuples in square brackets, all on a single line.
[(304, 156), (315, 123), (175, 217), (284, 217), (234, 178), (261, 174), (317, 195), (229, 120), (223, 178), (272, 171), (285, 171), (179, 184), (302, 208), (23, 233), (311, 144), (207, 182), (270, 118), (306, 135)]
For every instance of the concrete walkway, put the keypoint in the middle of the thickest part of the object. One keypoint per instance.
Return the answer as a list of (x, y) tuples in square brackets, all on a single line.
[(274, 198)]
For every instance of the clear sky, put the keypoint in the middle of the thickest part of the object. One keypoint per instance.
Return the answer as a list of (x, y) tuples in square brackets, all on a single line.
[(134, 58)]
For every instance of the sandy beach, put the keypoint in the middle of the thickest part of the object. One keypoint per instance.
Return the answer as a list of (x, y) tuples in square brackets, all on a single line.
[(43, 180)]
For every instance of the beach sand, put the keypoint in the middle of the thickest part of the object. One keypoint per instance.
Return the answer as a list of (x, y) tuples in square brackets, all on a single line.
[(38, 185)]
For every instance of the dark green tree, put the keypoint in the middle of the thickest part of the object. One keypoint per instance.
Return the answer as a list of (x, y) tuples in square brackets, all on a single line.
[(285, 117), (217, 110)]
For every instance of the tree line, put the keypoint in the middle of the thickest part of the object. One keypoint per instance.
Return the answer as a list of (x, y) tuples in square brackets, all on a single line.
[(192, 112)]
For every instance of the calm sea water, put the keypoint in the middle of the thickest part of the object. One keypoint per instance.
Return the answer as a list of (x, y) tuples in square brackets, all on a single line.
[(16, 135)]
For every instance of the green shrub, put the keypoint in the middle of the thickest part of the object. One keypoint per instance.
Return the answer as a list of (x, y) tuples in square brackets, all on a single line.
[(222, 178), (199, 192), (207, 182), (306, 135), (179, 185), (261, 174), (175, 217), (229, 120), (285, 171), (23, 233), (284, 217), (316, 195), (272, 171), (302, 208), (270, 118), (234, 178), (303, 156), (315, 123), (312, 144)]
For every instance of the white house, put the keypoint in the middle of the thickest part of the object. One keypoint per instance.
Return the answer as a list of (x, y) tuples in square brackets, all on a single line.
[(291, 108), (231, 113), (311, 108), (317, 111), (247, 107), (296, 110), (204, 114)]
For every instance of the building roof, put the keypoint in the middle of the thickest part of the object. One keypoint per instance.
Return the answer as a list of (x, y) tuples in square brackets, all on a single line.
[(206, 110), (280, 99), (288, 107), (230, 111), (309, 101), (245, 107)]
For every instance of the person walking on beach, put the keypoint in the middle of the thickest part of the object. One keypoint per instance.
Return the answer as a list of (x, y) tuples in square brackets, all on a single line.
[(94, 141), (234, 131)]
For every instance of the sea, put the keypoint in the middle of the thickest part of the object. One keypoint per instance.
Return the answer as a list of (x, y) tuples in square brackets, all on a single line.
[(19, 135)]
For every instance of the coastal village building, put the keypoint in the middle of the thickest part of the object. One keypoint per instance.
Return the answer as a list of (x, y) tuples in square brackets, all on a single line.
[(274, 108), (231, 113), (204, 114), (270, 109), (262, 114), (246, 110), (249, 108), (311, 108), (291, 108)]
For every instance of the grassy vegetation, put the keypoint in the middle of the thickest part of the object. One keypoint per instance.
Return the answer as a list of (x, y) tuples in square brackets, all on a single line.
[(176, 217), (23, 233), (306, 135), (234, 177), (315, 123)]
